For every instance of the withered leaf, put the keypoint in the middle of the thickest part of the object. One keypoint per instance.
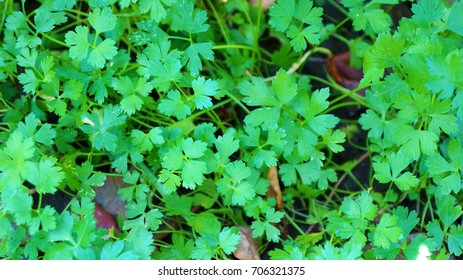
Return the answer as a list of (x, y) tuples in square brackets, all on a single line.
[(247, 247), (275, 189)]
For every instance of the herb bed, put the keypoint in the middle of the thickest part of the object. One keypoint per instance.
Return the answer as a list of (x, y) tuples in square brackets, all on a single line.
[(183, 129)]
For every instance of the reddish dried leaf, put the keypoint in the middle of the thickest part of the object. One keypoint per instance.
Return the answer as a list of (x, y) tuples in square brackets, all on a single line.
[(247, 247), (275, 189), (108, 198), (104, 219), (339, 68), (265, 3)]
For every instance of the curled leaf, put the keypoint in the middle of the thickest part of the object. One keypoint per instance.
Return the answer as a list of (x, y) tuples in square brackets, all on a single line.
[(339, 68)]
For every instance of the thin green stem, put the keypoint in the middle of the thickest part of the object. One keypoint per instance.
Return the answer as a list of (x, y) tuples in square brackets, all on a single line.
[(221, 47), (219, 21), (296, 226)]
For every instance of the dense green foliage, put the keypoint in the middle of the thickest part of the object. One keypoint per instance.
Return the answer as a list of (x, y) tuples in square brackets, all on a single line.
[(191, 104)]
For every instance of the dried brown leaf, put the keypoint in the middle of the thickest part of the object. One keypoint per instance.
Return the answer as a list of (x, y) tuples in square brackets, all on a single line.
[(265, 3), (275, 189), (247, 247), (339, 68), (108, 198)]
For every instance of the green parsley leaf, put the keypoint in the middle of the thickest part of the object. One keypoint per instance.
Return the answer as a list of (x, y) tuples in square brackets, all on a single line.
[(81, 49), (149, 32), (79, 43), (87, 179), (229, 239), (205, 248), (45, 20), (186, 18), (191, 56), (178, 205), (453, 22), (448, 211), (179, 250), (18, 203), (140, 242), (271, 232), (29, 81), (205, 224), (226, 145), (155, 8), (102, 127), (407, 221), (310, 108), (359, 209), (27, 57), (104, 51), (387, 231), (15, 158), (428, 11), (203, 89), (258, 94), (281, 14), (292, 17), (446, 72), (133, 95), (174, 105), (233, 187), (416, 142), (115, 251), (102, 20), (386, 172), (455, 240), (28, 128), (446, 174), (45, 176), (186, 160), (434, 230)]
